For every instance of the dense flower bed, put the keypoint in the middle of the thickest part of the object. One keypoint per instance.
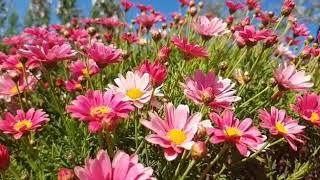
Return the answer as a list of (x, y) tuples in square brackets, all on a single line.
[(200, 97)]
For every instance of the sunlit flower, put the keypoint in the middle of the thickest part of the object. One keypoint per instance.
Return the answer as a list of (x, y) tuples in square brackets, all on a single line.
[(289, 78), (308, 107), (250, 36), (73, 85), (164, 54), (23, 122), (233, 6), (130, 37), (208, 28), (299, 30), (287, 7), (156, 70), (110, 22), (80, 69), (280, 124), (148, 20), (252, 4), (175, 132), (189, 50), (242, 134), (123, 167), (104, 55), (135, 87), (211, 90), (8, 87), (126, 4), (184, 2), (100, 109), (284, 51)]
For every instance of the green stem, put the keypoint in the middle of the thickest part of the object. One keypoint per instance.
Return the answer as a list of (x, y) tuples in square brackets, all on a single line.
[(222, 151), (254, 97), (279, 22), (19, 95), (237, 63), (257, 60), (179, 165), (191, 164)]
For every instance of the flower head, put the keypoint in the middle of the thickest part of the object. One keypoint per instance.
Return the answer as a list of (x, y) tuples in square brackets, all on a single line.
[(66, 174), (233, 6), (175, 132), (189, 50), (8, 87), (104, 55), (123, 167), (211, 90), (135, 87), (100, 109), (287, 7), (288, 78), (4, 157), (240, 133), (252, 4), (208, 28), (126, 4), (156, 70), (299, 30), (308, 107), (23, 122), (249, 36), (279, 123), (80, 69), (130, 37)]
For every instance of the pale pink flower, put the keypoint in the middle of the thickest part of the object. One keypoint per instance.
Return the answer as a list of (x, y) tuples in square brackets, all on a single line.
[(280, 124), (189, 50), (100, 109), (123, 167), (148, 20), (175, 132), (289, 78), (9, 88), (308, 107), (242, 134), (284, 51), (104, 55), (111, 22), (135, 87), (80, 69), (208, 28), (211, 90), (23, 122)]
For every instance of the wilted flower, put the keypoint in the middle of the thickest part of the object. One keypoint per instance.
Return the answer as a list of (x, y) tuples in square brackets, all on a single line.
[(189, 50), (240, 133), (288, 78), (135, 87), (208, 28), (308, 107), (156, 70), (104, 55), (4, 157), (66, 174), (279, 123), (99, 109), (23, 122), (123, 167), (211, 90), (175, 132)]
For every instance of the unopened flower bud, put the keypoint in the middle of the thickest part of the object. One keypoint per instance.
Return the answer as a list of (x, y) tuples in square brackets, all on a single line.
[(193, 11), (223, 65), (200, 4), (192, 3), (66, 174), (4, 157), (198, 150), (164, 26), (310, 38)]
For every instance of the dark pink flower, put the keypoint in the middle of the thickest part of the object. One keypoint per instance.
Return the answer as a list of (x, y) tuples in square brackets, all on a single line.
[(287, 7), (80, 69), (126, 4), (280, 124), (299, 30), (16, 41), (292, 41), (233, 6), (130, 37), (144, 8), (111, 22), (308, 107), (4, 157), (164, 54), (184, 2), (156, 70), (73, 85), (148, 20), (266, 18), (189, 50), (104, 55), (252, 4), (250, 37), (308, 52), (243, 134), (80, 36)]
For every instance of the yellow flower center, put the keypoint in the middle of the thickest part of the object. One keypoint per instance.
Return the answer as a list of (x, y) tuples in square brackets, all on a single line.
[(134, 93), (78, 86), (14, 90), (86, 71), (232, 132), (22, 124), (314, 117), (99, 111), (177, 136), (19, 65), (281, 128)]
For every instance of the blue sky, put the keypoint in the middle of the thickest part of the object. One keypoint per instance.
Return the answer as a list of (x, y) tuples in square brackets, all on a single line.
[(165, 6)]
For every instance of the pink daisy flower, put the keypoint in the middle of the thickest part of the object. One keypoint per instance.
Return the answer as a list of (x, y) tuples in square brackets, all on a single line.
[(123, 167), (189, 50), (308, 107), (23, 122), (126, 4), (287, 7), (73, 85), (130, 37), (208, 28), (288, 78), (156, 70), (299, 30), (249, 36), (175, 132), (80, 69), (211, 90), (135, 87), (233, 6), (9, 88), (228, 128), (104, 55), (280, 124), (99, 109)]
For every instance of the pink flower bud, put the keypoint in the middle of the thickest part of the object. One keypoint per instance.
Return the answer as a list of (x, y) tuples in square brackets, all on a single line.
[(198, 150), (66, 174), (4, 157)]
